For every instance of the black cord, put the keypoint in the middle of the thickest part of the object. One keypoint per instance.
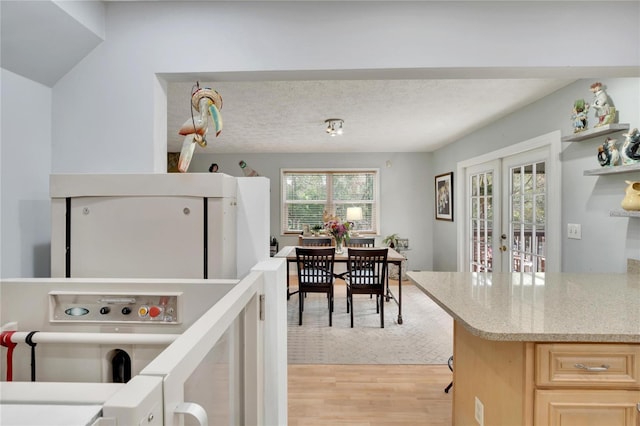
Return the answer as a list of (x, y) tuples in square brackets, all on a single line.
[(29, 341)]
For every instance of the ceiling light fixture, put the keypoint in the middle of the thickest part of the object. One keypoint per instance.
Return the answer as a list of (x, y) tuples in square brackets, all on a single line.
[(334, 126)]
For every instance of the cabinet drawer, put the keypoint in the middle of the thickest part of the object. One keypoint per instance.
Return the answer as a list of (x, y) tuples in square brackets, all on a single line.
[(588, 365)]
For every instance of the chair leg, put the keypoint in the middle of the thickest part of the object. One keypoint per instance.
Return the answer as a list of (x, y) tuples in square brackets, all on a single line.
[(300, 304), (331, 309), (348, 293), (381, 310), (351, 302)]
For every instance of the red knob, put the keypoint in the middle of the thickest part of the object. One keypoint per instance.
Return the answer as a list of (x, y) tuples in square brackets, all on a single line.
[(154, 311)]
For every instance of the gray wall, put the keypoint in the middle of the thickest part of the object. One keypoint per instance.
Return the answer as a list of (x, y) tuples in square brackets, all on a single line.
[(25, 154), (405, 191), (606, 241), (407, 187)]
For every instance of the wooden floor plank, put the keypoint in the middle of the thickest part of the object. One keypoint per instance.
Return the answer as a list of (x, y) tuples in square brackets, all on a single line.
[(369, 395)]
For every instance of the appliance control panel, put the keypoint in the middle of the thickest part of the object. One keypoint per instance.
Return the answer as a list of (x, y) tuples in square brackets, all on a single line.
[(105, 307)]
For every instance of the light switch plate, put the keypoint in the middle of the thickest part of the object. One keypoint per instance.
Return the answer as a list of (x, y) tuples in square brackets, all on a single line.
[(574, 231)]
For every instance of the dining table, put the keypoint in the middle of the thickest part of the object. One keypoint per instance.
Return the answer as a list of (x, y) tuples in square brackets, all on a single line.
[(393, 258)]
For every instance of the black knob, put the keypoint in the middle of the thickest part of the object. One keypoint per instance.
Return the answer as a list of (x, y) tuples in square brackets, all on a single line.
[(126, 311), (105, 310)]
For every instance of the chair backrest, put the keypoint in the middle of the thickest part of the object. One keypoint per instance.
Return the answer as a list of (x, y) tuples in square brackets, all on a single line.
[(316, 241), (361, 242), (367, 267), (315, 266)]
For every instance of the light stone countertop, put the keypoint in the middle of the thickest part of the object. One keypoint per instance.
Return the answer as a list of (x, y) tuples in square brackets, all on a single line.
[(558, 307)]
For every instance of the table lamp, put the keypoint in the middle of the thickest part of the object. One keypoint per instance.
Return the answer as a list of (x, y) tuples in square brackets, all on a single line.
[(354, 214)]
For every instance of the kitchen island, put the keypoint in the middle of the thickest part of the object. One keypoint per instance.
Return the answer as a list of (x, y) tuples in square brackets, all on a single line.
[(543, 349)]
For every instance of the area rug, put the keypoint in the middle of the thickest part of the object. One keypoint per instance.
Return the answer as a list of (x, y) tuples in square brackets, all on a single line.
[(425, 337)]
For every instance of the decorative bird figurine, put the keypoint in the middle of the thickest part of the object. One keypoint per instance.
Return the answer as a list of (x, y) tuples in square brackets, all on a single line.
[(631, 147), (608, 154), (208, 103)]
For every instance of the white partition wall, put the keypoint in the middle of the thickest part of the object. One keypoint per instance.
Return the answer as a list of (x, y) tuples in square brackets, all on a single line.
[(252, 222)]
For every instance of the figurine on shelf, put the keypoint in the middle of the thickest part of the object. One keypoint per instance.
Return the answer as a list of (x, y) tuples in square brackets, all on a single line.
[(631, 201), (608, 154), (579, 116), (631, 147), (604, 111)]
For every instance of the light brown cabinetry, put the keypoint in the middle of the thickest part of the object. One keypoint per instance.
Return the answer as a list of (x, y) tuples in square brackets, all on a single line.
[(586, 408), (587, 384), (560, 384)]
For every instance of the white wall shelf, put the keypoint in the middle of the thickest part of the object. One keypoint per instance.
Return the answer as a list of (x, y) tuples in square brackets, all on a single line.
[(624, 213), (613, 170), (597, 131)]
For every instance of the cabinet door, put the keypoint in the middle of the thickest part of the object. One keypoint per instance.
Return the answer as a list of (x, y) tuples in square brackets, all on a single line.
[(586, 408)]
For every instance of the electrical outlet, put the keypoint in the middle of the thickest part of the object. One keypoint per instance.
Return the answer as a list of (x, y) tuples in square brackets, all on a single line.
[(479, 412), (574, 231)]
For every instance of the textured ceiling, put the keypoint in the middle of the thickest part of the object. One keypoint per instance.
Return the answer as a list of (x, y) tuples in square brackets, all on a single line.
[(379, 115)]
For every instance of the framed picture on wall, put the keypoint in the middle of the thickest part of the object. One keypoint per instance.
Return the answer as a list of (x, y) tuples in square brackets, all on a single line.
[(403, 244), (444, 196)]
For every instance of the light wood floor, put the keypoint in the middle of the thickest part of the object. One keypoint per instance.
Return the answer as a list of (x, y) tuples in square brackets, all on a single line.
[(369, 395)]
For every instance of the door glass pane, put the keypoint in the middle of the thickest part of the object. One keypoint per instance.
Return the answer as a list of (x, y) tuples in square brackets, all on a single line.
[(540, 209), (480, 223), (528, 196), (515, 209), (527, 178), (528, 208), (540, 178)]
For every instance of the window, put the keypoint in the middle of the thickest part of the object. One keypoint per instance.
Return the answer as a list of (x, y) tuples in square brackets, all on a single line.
[(307, 193)]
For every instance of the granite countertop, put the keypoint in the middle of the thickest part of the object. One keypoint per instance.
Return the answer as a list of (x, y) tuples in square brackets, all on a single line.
[(557, 307)]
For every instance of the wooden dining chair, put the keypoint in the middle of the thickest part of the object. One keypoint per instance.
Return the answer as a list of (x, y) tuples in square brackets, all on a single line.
[(366, 274), (361, 242), (315, 275), (316, 242)]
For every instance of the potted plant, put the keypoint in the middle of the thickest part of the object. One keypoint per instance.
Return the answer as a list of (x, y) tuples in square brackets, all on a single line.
[(391, 240), (315, 229)]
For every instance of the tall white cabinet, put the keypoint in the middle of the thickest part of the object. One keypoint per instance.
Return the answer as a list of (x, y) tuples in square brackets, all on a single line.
[(158, 225)]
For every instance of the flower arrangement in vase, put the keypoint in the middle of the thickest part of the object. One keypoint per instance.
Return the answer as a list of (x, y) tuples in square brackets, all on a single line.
[(339, 230)]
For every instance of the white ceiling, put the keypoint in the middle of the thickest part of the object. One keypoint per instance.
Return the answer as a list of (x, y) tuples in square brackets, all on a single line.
[(277, 112), (384, 115)]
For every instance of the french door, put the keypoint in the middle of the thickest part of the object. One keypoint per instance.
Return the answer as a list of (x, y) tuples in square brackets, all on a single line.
[(509, 202)]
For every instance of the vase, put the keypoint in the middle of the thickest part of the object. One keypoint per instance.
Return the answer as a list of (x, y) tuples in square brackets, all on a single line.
[(631, 201), (338, 245)]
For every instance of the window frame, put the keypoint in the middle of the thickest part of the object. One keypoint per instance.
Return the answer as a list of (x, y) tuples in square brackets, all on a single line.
[(329, 203)]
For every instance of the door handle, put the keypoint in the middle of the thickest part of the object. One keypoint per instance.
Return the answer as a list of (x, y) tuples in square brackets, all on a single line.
[(503, 248)]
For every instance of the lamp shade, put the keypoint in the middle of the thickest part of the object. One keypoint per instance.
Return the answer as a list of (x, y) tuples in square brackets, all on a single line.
[(354, 213)]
